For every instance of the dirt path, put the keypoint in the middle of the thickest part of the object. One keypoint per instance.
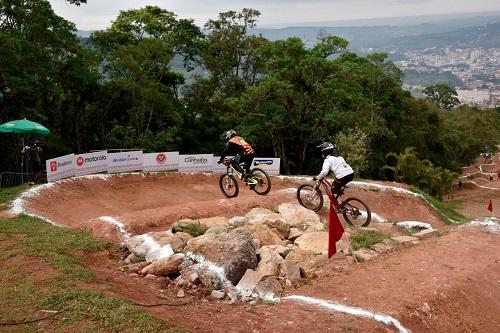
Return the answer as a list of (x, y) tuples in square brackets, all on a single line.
[(155, 202), (445, 284)]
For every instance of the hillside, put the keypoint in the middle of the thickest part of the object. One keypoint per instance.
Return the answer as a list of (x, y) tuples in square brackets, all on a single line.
[(480, 36)]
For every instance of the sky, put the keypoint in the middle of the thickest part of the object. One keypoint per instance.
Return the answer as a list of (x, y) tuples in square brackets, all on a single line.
[(98, 14)]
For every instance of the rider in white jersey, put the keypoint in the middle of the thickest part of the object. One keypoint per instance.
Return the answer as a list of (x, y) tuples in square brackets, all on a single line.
[(335, 164)]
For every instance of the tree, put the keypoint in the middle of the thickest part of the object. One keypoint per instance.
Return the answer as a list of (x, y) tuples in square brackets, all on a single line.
[(353, 144), (138, 50), (442, 95), (406, 166), (292, 100), (45, 73)]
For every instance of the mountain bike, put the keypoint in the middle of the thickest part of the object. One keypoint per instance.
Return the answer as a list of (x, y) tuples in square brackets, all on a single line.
[(355, 211), (258, 180)]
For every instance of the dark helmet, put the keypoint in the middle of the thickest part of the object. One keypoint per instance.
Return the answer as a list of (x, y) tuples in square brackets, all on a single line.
[(326, 149), (229, 134)]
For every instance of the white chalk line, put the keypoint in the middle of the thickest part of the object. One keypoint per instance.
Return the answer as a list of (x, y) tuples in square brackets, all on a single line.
[(481, 186), (355, 311)]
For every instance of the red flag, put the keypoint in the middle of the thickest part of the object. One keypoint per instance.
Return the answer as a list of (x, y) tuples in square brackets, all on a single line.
[(335, 231), (490, 206)]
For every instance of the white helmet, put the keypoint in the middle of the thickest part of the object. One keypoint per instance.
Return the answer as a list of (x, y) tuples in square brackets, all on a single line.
[(326, 149), (229, 134)]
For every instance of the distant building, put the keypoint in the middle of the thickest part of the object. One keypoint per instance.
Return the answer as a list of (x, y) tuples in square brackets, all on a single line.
[(477, 97), (494, 97)]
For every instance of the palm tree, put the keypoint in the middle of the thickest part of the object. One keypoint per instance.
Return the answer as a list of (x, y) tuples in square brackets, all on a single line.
[(406, 168)]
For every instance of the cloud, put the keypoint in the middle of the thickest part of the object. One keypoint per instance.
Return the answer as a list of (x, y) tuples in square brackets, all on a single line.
[(97, 14)]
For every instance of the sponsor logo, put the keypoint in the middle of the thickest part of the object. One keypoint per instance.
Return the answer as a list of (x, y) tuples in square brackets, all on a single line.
[(95, 159), (80, 161), (125, 159), (194, 160), (161, 158), (266, 162), (54, 165)]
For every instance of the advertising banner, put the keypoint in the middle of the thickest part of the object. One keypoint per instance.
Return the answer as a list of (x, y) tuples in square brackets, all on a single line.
[(86, 164), (219, 168), (60, 167), (160, 161), (270, 165), (125, 161), (196, 163)]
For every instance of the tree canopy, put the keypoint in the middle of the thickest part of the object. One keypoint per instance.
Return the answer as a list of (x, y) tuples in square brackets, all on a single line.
[(156, 82)]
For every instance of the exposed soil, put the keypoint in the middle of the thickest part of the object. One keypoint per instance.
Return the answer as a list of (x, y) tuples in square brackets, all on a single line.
[(448, 283)]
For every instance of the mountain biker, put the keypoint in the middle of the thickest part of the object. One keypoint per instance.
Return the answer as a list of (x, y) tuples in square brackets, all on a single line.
[(336, 164), (242, 151)]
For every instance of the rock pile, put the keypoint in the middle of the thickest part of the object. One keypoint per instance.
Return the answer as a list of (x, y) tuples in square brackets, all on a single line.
[(248, 257)]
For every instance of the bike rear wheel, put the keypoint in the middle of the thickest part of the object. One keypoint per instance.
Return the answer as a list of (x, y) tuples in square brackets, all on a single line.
[(262, 180), (229, 186), (356, 212), (310, 197)]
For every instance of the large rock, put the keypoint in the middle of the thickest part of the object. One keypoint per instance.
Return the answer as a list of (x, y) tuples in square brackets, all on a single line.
[(291, 271), (162, 252), (212, 222), (273, 220), (268, 286), (270, 262), (297, 255), (279, 249), (165, 266), (233, 251), (248, 282), (168, 238), (295, 214), (141, 245), (263, 233), (316, 242), (258, 214)]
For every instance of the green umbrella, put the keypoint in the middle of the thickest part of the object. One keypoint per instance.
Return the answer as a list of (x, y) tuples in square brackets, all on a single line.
[(23, 126)]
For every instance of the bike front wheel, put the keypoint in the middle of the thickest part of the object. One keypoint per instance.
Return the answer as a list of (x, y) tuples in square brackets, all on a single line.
[(229, 186), (310, 197), (259, 181), (356, 212)]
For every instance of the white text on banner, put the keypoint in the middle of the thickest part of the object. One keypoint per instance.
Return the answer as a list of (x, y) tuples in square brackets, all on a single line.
[(90, 163), (196, 163), (160, 161), (125, 161), (60, 167)]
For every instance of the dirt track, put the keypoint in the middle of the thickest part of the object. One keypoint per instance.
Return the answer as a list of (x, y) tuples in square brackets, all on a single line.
[(445, 284)]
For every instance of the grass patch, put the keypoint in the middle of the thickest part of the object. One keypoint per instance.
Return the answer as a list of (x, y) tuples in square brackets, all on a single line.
[(24, 296), (364, 239), (8, 194), (56, 245), (446, 211), (194, 230)]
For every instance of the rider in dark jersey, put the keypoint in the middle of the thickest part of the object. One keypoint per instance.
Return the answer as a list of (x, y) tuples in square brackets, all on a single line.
[(242, 151)]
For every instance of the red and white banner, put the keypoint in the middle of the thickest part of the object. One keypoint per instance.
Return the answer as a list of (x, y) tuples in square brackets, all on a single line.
[(160, 161), (90, 163), (269, 164), (60, 167), (125, 162), (196, 163)]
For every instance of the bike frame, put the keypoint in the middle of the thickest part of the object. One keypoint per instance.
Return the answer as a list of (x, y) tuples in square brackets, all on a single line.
[(231, 170), (329, 191)]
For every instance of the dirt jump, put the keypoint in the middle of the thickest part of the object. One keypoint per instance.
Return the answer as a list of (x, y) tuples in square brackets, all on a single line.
[(446, 280)]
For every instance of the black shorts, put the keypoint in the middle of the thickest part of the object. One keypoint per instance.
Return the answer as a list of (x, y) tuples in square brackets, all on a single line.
[(341, 182)]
